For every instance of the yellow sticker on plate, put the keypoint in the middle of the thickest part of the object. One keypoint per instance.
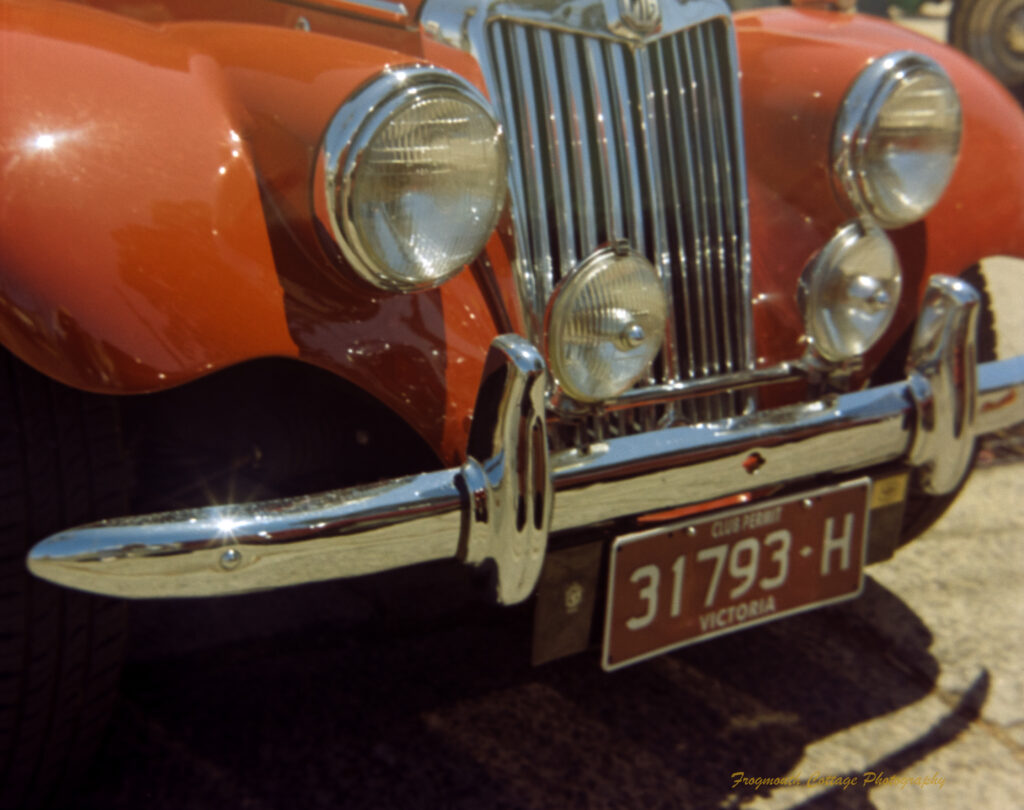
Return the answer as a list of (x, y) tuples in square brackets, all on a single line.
[(890, 490)]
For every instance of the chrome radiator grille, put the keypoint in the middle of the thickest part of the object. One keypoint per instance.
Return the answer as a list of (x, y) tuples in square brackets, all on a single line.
[(611, 140)]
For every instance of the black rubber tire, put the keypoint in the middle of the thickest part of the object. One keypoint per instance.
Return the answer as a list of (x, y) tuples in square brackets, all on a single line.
[(981, 29), (60, 651), (922, 510)]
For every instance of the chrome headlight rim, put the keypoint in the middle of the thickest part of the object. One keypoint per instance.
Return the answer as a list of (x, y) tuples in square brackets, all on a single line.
[(819, 320), (349, 134), (567, 393), (855, 124)]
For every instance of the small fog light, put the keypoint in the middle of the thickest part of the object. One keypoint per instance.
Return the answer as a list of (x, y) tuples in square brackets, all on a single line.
[(850, 291), (606, 324)]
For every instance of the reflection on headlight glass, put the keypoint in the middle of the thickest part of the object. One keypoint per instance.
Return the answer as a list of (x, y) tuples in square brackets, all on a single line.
[(607, 325), (429, 187)]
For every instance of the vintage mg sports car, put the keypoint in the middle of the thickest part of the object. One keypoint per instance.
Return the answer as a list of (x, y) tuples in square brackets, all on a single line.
[(666, 318)]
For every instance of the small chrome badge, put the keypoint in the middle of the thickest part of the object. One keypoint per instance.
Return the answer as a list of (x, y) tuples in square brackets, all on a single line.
[(640, 16)]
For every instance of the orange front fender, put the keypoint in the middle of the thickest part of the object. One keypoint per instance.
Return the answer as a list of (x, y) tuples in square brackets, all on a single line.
[(797, 65), (134, 253), (156, 184)]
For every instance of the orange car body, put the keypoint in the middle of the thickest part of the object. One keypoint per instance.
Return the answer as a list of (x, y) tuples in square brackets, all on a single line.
[(157, 160)]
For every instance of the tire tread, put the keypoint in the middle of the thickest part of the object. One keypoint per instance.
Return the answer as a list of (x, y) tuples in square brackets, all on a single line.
[(60, 651)]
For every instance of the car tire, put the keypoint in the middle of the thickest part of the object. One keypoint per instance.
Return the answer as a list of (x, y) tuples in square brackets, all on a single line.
[(923, 510), (992, 32), (61, 464)]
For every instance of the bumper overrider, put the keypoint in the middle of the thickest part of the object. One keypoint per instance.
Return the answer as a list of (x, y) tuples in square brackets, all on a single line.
[(501, 505)]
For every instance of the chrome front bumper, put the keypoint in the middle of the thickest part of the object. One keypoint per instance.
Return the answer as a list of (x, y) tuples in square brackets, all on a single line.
[(502, 509)]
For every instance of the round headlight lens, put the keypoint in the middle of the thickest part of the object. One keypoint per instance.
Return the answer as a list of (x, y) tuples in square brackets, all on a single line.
[(850, 291), (897, 138), (415, 178), (606, 325)]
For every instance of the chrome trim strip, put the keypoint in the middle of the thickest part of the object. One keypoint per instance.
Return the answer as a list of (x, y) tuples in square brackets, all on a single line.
[(387, 6), (389, 10), (590, 18), (383, 5), (478, 512), (1000, 395), (688, 389)]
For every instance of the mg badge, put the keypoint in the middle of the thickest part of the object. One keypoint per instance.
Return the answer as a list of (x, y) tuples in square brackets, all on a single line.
[(634, 17)]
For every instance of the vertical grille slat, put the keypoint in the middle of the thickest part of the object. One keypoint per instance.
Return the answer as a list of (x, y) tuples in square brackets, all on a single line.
[(701, 205), (527, 159), (695, 205), (588, 205), (556, 148), (615, 140), (630, 132), (669, 199), (716, 161), (675, 172), (657, 205), (691, 270), (615, 201), (725, 124), (718, 350)]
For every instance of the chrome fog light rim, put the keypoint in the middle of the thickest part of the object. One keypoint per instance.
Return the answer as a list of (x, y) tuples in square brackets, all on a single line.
[(347, 236), (849, 292), (605, 325), (908, 181)]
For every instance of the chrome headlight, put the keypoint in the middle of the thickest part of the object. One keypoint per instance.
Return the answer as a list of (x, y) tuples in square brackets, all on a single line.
[(850, 291), (606, 324), (897, 138), (412, 178)]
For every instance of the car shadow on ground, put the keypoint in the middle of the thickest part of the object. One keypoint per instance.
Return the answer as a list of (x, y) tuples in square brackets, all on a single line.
[(315, 698)]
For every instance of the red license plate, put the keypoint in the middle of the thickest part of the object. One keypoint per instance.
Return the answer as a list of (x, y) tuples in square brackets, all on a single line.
[(695, 580)]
